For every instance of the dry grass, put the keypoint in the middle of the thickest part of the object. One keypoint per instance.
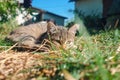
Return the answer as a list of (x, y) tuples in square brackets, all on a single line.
[(11, 63), (24, 65), (94, 58)]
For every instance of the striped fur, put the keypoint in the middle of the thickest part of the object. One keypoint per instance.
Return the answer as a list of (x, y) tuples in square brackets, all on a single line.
[(32, 34)]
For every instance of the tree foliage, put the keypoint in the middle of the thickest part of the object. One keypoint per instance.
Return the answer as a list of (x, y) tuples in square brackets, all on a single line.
[(7, 9)]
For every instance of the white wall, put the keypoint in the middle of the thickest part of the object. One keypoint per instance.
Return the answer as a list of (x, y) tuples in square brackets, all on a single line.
[(90, 7)]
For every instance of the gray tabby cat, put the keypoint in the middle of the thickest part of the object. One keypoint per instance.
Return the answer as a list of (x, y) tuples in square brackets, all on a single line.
[(32, 35)]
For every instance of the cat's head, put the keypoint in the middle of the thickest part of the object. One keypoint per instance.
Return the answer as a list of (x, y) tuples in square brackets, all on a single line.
[(61, 35)]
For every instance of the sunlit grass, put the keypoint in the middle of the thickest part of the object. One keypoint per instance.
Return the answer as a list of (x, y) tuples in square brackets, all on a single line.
[(93, 58), (5, 29)]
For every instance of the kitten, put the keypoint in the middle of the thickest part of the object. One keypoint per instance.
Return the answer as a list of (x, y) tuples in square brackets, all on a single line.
[(32, 35)]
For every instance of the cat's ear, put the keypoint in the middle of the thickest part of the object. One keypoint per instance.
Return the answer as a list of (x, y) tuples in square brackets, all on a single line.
[(51, 27), (73, 29)]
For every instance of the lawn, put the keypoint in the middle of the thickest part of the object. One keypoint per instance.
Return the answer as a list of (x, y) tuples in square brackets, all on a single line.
[(95, 57)]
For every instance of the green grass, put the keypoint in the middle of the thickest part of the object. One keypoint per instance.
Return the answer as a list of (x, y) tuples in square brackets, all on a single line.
[(5, 29), (94, 58)]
